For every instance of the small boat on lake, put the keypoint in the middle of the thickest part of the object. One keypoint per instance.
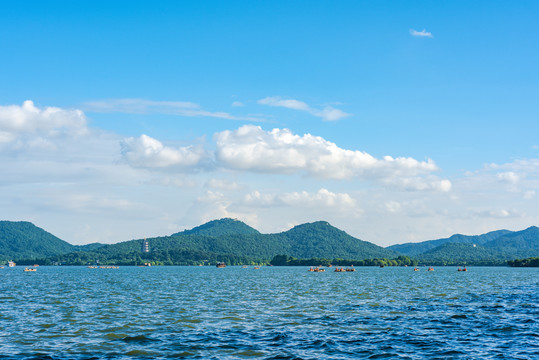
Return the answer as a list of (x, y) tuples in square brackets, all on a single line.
[(29, 269), (220, 265)]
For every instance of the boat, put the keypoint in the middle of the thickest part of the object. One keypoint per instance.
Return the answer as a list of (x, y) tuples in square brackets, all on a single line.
[(220, 265), (29, 269), (11, 264), (430, 269), (257, 267), (416, 269)]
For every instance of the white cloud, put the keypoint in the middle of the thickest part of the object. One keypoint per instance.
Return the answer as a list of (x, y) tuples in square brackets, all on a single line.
[(500, 214), (328, 113), (322, 197), (28, 118), (147, 152), (508, 177), (530, 194), (422, 33), (393, 206), (237, 104), (143, 106), (221, 184), (250, 148)]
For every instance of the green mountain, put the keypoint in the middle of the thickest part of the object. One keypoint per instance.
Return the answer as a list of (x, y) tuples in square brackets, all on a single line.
[(413, 249), (493, 248), (320, 239), (221, 227), (21, 239), (234, 242)]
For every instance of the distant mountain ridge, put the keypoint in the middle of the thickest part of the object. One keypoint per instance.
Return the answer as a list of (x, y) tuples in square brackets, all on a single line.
[(412, 249), (490, 248), (233, 241)]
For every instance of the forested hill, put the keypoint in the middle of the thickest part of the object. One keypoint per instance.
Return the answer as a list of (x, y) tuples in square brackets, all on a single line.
[(493, 248), (21, 239), (413, 249), (234, 242), (320, 239), (221, 227)]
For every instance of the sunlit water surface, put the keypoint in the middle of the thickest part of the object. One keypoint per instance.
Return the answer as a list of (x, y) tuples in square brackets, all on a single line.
[(270, 313)]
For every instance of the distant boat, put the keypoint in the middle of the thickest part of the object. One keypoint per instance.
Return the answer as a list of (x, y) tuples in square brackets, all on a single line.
[(257, 267), (28, 269), (220, 265), (11, 264)]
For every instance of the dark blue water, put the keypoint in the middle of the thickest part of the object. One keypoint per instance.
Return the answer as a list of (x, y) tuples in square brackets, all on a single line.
[(270, 313)]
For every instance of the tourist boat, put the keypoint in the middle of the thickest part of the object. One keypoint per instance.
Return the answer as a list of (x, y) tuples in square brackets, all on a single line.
[(220, 265), (11, 264)]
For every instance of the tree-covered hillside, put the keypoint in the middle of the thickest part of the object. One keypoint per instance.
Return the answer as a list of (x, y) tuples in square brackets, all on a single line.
[(413, 249), (21, 239), (221, 227), (234, 242), (320, 239)]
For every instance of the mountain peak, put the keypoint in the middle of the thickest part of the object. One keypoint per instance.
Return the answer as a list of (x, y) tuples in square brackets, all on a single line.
[(221, 227)]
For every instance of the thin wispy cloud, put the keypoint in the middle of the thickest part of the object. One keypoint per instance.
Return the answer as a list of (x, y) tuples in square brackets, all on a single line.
[(144, 106), (422, 33), (328, 113)]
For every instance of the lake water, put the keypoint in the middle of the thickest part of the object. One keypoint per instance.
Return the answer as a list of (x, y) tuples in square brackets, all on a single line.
[(270, 313)]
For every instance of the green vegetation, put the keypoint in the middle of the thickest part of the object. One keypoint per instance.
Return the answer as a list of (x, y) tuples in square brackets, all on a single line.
[(529, 262), (284, 260), (234, 243), (22, 239), (413, 249)]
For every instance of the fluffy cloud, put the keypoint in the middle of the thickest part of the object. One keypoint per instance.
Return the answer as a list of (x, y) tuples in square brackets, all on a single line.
[(422, 33), (28, 118), (147, 152), (322, 198), (508, 177), (280, 151), (328, 113)]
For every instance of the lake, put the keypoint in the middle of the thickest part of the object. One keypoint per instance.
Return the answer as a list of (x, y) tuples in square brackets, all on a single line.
[(270, 313)]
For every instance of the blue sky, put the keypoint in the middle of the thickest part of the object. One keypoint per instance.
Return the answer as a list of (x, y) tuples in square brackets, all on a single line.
[(395, 121)]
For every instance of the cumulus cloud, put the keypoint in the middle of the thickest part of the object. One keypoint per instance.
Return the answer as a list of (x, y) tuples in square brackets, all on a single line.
[(143, 106), (147, 152), (28, 118), (280, 151), (508, 177), (328, 113), (322, 197), (422, 33)]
